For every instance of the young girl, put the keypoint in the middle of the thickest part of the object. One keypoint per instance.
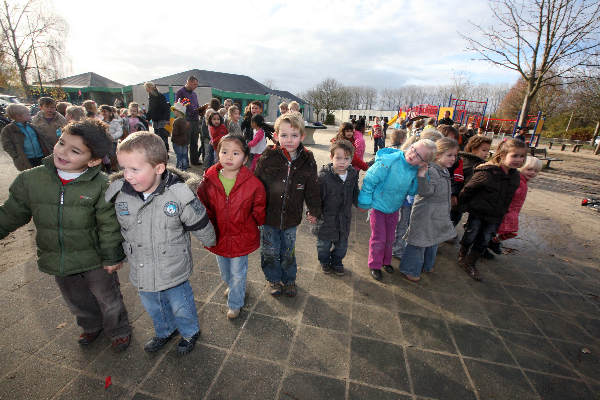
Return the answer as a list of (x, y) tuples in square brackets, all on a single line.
[(233, 121), (486, 197), (180, 136), (346, 131), (359, 139), (258, 144), (216, 130), (115, 128), (235, 201), (91, 109), (398, 138), (392, 177), (510, 223), (378, 139), (136, 121), (430, 214)]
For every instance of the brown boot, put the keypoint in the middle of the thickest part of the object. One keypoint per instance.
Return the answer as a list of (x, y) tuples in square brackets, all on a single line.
[(468, 264)]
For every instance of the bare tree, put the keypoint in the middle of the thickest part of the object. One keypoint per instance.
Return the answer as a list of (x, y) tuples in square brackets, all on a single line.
[(540, 39), (270, 83), (33, 39)]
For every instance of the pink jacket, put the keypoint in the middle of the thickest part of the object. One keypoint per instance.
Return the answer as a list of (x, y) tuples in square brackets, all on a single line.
[(359, 144), (510, 222)]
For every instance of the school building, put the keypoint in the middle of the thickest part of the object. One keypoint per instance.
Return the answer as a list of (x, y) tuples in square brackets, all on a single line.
[(91, 86), (369, 115)]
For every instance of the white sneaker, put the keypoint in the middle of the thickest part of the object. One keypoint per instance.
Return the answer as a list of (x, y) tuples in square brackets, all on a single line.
[(226, 292), (232, 314)]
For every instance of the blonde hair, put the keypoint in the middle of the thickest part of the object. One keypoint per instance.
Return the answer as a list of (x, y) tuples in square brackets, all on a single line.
[(431, 134), (231, 110), (13, 110), (90, 107), (294, 106), (283, 104), (150, 85), (533, 163), (430, 146), (222, 111), (75, 112), (151, 145), (293, 119), (444, 145)]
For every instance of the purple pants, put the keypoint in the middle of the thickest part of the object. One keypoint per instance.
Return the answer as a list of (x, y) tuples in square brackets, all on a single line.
[(383, 230)]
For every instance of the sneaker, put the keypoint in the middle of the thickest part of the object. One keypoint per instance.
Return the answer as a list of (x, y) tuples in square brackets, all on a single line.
[(226, 292), (233, 314), (326, 268), (121, 343), (87, 338), (157, 343), (389, 269), (376, 274), (186, 345), (290, 289), (339, 270), (276, 288)]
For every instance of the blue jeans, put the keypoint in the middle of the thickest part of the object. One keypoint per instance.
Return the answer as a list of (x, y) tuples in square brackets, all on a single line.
[(233, 272), (416, 259), (172, 309), (334, 257), (401, 228), (209, 159), (478, 234), (181, 152), (278, 254)]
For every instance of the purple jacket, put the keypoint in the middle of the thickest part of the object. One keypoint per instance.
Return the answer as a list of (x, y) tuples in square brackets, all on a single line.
[(192, 110)]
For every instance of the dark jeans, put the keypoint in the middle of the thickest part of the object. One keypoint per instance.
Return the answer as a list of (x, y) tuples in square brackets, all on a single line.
[(329, 256), (164, 135), (379, 143), (278, 254), (209, 158), (95, 298), (194, 133), (478, 234), (455, 216)]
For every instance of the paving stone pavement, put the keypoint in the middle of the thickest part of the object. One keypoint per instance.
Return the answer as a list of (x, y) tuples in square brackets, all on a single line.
[(530, 330)]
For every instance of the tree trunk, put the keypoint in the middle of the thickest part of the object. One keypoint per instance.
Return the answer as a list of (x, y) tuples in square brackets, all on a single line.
[(597, 151), (23, 79), (529, 95)]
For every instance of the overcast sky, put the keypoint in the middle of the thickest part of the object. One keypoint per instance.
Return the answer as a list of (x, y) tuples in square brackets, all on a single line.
[(296, 44)]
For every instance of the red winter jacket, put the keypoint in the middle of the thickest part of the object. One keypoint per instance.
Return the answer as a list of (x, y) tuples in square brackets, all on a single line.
[(216, 134), (235, 217)]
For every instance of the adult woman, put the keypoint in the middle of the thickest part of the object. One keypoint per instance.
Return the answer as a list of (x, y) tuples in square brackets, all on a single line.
[(159, 111)]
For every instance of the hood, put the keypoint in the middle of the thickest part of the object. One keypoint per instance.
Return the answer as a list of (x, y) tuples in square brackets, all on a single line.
[(472, 157), (389, 155)]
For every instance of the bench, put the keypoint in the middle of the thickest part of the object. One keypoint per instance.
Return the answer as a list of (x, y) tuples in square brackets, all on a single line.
[(549, 160), (534, 150)]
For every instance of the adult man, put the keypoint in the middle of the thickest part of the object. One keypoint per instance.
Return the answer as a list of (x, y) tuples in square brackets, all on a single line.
[(191, 114), (521, 132), (446, 120)]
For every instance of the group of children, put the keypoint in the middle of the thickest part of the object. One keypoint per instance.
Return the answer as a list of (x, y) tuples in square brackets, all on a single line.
[(88, 224)]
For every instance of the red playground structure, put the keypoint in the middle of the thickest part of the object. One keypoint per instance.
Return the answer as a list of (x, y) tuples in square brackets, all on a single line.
[(465, 111)]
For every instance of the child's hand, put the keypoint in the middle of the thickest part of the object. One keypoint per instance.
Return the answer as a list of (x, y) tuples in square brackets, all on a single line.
[(362, 209), (453, 201), (311, 219), (422, 171), (112, 268)]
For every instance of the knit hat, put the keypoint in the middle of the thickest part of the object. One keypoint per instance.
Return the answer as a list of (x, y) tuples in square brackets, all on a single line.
[(178, 107)]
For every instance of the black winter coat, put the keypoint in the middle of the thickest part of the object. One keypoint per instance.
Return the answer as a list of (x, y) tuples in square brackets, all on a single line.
[(470, 162), (489, 192), (337, 198), (288, 184), (249, 132), (159, 108)]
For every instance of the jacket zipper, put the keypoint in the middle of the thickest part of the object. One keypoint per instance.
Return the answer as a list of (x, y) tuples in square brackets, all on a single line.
[(60, 231), (287, 183)]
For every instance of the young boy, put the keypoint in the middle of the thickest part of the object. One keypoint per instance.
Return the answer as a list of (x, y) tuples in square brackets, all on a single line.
[(338, 182), (157, 209), (378, 140), (289, 173), (47, 121), (181, 136), (78, 235)]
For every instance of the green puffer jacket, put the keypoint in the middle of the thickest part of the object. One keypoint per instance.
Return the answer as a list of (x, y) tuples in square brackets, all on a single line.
[(77, 230)]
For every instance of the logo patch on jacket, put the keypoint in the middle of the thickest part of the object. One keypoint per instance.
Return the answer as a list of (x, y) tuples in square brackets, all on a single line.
[(299, 186), (122, 208), (171, 209)]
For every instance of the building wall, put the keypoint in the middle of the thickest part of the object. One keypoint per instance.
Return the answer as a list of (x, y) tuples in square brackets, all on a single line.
[(346, 115)]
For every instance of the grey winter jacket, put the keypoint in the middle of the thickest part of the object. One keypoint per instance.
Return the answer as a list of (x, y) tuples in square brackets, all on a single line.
[(337, 198), (430, 222), (157, 231)]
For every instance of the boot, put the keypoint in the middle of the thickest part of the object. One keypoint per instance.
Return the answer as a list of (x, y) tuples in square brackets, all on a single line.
[(462, 252), (468, 264), (496, 247)]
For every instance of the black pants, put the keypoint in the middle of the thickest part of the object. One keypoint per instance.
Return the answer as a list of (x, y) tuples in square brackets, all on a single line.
[(194, 133), (35, 162), (164, 135), (378, 143), (478, 234), (95, 298)]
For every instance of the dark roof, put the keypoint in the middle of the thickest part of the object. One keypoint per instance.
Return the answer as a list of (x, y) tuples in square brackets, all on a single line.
[(217, 80), (287, 95), (88, 79)]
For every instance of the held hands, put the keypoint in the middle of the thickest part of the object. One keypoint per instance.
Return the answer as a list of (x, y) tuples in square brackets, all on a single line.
[(112, 268), (310, 218), (422, 171)]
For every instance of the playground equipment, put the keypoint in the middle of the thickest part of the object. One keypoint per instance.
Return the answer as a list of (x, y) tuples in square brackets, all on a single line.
[(468, 111)]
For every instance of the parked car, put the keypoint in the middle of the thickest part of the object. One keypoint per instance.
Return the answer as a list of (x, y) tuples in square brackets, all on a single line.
[(6, 99)]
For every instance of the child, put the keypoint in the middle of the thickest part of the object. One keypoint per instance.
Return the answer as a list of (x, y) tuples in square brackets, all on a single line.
[(74, 113), (254, 108), (216, 130), (289, 173), (136, 121), (47, 121), (233, 121), (346, 132), (91, 109), (283, 108), (157, 209), (294, 106), (486, 197), (338, 182), (78, 235), (21, 141), (378, 141), (258, 144), (430, 216), (115, 128), (384, 189), (398, 137), (510, 223), (235, 202), (180, 136), (359, 139)]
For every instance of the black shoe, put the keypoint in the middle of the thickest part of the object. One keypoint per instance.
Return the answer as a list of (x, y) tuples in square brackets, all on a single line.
[(326, 268), (290, 289), (87, 338), (376, 274), (157, 343), (496, 247), (186, 345), (389, 269), (487, 254), (339, 270)]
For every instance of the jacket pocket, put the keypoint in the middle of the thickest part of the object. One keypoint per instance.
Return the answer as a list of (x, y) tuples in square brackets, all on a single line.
[(175, 261), (133, 269)]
